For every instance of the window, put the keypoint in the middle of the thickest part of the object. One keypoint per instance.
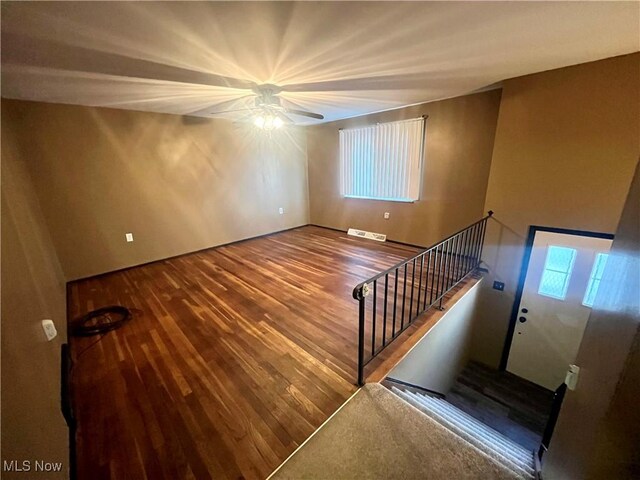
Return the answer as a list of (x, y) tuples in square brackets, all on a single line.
[(557, 272), (383, 161), (594, 279)]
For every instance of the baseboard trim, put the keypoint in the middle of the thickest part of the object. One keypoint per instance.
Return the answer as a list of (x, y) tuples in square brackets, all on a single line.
[(389, 240), (164, 259)]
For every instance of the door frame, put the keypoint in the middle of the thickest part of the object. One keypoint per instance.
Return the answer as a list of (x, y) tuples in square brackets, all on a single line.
[(533, 229)]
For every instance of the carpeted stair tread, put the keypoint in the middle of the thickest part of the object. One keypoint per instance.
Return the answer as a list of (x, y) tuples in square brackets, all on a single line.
[(377, 435), (482, 437)]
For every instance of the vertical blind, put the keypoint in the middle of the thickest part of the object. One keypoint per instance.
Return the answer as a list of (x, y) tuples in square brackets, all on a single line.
[(383, 161)]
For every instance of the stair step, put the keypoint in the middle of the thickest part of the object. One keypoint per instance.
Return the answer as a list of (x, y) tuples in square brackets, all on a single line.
[(496, 436), (500, 448)]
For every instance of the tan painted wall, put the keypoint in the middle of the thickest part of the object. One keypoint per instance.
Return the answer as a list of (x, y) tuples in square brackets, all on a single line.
[(460, 133), (598, 431), (566, 145), (179, 184), (32, 290), (438, 358)]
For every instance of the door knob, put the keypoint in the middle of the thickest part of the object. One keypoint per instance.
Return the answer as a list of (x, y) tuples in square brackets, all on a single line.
[(522, 319)]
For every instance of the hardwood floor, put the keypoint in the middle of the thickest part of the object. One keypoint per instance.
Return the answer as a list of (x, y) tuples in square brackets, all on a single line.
[(509, 404), (234, 356)]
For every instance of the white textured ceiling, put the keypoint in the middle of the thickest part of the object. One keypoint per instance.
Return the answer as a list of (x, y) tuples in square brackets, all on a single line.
[(340, 59)]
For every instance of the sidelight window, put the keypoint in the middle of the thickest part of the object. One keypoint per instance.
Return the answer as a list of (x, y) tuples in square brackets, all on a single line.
[(594, 279)]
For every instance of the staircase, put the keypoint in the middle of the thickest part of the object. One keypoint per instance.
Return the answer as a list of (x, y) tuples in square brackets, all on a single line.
[(500, 448)]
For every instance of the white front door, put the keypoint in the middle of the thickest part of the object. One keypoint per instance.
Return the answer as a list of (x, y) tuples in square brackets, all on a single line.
[(563, 275)]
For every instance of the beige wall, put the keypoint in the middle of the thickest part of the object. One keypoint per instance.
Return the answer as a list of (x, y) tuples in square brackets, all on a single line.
[(566, 145), (179, 184), (460, 133), (438, 358), (598, 431), (32, 290)]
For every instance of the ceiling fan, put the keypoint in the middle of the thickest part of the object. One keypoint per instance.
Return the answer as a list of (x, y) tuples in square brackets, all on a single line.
[(268, 111)]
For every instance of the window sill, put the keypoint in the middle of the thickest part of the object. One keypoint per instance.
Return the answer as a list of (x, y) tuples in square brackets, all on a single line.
[(400, 200)]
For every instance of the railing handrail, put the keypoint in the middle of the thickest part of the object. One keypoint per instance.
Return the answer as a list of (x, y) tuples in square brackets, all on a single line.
[(358, 288)]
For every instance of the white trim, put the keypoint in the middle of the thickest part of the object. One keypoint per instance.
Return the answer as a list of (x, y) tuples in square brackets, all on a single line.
[(401, 200), (312, 435), (422, 117)]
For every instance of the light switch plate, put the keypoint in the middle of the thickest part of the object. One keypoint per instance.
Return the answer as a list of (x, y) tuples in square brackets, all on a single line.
[(572, 377), (129, 237), (49, 329), (386, 215), (281, 211)]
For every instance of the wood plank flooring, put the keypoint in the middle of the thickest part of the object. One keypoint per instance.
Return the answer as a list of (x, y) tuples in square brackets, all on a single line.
[(509, 404), (234, 356)]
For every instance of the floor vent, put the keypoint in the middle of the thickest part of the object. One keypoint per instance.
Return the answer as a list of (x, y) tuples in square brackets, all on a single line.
[(378, 237)]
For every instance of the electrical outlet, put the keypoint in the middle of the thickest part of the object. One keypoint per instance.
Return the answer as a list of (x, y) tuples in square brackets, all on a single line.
[(49, 329), (498, 285), (386, 215), (128, 237), (281, 211)]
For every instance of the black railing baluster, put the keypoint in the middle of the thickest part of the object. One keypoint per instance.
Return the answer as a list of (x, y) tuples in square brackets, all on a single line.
[(472, 247), (463, 254), (456, 253), (426, 282), (433, 275), (466, 252), (476, 242), (413, 286), (404, 296), (449, 259), (420, 285), (462, 259), (478, 245), (453, 280), (373, 326), (445, 270), (395, 303), (444, 267), (452, 263), (447, 264), (361, 340), (384, 315), (440, 272)]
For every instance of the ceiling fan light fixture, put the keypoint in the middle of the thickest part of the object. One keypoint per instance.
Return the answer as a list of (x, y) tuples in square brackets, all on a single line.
[(268, 122), (259, 121)]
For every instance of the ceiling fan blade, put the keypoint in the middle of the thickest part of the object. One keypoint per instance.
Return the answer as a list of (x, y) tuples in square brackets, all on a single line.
[(23, 50), (230, 111), (234, 103), (286, 119), (302, 113)]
